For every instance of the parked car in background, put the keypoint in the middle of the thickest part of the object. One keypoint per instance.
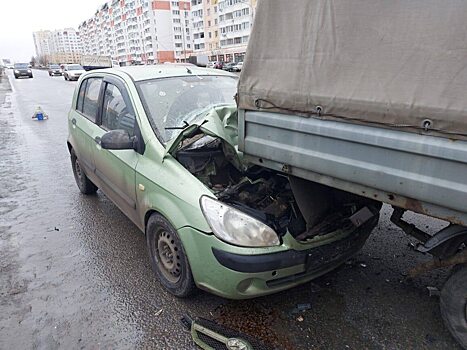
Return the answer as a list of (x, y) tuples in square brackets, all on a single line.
[(166, 140), (54, 69), (218, 64), (22, 70), (73, 71), (238, 67), (229, 67)]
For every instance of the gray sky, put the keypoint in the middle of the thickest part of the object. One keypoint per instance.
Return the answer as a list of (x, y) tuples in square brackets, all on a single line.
[(18, 19)]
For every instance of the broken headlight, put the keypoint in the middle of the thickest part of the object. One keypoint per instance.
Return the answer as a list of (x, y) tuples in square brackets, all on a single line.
[(236, 227)]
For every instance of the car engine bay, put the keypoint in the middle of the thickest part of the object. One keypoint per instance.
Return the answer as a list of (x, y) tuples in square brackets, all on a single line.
[(284, 203)]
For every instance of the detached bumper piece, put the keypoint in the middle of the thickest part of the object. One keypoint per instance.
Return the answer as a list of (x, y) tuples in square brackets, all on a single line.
[(209, 335)]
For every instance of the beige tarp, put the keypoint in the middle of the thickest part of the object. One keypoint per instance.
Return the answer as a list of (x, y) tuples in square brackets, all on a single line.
[(399, 64)]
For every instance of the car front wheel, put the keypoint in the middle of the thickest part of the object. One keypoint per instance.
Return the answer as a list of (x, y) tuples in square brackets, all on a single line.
[(84, 184), (168, 258), (453, 302)]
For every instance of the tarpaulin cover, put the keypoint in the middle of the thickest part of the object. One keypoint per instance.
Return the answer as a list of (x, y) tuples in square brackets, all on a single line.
[(398, 64)]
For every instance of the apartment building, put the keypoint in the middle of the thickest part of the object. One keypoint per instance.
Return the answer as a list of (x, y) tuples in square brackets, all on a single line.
[(235, 23), (66, 46), (42, 43), (58, 46), (221, 28), (140, 31)]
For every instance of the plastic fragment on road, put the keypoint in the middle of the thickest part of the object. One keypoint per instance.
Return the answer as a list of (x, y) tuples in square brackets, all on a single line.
[(39, 114), (299, 308), (433, 291), (210, 335)]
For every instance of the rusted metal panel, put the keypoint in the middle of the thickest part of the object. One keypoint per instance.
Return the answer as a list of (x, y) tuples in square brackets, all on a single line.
[(423, 174)]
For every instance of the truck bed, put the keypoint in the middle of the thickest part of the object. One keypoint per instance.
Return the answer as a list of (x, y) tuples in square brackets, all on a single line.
[(424, 174)]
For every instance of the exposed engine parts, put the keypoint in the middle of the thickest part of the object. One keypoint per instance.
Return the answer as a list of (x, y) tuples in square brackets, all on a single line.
[(271, 197)]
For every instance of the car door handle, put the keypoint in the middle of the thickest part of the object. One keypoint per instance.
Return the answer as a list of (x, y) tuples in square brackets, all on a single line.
[(73, 121)]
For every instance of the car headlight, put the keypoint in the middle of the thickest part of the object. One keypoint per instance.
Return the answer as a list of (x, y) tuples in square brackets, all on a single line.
[(16, 71), (29, 71), (234, 226)]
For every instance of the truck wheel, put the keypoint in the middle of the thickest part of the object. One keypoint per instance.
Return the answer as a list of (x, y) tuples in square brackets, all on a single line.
[(453, 302), (168, 258), (84, 184)]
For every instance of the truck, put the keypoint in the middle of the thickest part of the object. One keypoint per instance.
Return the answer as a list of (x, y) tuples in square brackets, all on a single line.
[(200, 60), (90, 62), (369, 98)]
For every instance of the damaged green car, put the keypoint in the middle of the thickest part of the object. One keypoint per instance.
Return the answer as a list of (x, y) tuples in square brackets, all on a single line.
[(161, 143)]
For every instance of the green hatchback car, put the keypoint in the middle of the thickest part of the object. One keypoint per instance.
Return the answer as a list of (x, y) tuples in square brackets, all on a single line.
[(161, 142)]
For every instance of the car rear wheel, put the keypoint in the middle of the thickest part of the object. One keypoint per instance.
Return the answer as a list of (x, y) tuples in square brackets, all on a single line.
[(453, 301), (168, 258), (84, 184)]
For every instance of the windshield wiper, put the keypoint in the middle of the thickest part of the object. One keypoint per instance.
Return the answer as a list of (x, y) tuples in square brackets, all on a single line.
[(185, 124)]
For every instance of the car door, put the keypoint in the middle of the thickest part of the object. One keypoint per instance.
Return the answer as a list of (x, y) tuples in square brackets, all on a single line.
[(116, 168), (83, 123)]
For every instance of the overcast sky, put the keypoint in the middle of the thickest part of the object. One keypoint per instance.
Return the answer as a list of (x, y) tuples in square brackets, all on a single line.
[(18, 19)]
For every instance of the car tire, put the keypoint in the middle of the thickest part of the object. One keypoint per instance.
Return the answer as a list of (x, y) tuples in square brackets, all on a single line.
[(16, 77), (85, 185), (453, 303), (168, 258), (31, 76)]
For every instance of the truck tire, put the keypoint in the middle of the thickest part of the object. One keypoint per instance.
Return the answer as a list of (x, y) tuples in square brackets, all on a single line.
[(453, 301), (168, 257)]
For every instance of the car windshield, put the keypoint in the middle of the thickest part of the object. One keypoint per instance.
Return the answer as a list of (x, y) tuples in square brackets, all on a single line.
[(74, 67), (21, 65), (54, 66), (173, 101)]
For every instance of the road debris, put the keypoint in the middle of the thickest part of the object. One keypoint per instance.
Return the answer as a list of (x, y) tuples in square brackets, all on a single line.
[(433, 291), (299, 308), (39, 114), (210, 335), (158, 312)]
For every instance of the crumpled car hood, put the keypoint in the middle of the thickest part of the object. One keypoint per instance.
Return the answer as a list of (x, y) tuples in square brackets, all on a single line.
[(221, 122)]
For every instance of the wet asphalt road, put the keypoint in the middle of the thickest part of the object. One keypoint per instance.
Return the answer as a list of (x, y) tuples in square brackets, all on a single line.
[(75, 271)]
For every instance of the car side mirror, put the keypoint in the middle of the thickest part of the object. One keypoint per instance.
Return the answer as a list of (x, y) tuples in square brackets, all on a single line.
[(118, 140)]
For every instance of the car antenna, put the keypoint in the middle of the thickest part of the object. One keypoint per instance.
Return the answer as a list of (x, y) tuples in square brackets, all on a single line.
[(188, 70)]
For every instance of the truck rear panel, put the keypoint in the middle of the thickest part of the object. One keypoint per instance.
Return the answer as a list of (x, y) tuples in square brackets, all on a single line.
[(425, 174)]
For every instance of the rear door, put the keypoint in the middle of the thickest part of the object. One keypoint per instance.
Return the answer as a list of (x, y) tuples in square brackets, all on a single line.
[(116, 168)]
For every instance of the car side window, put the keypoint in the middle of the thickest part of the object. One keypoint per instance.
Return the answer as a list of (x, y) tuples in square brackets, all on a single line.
[(91, 98), (116, 113), (82, 90)]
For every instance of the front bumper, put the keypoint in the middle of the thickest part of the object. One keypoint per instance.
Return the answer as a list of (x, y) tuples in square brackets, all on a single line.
[(23, 73), (240, 273), (74, 76)]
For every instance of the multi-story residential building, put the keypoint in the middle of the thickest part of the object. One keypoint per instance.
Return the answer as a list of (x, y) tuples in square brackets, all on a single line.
[(140, 31), (66, 46), (58, 46), (205, 27), (42, 43), (235, 23), (150, 31)]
